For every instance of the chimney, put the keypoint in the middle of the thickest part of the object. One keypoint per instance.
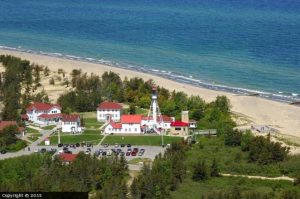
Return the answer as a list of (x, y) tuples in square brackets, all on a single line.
[(185, 116)]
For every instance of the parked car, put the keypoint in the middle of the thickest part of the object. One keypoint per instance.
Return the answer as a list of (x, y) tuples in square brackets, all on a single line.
[(128, 153), (88, 145), (87, 152), (89, 149), (65, 149), (43, 150), (133, 153), (108, 153), (119, 150), (116, 145), (53, 150), (136, 150), (97, 153), (36, 150), (60, 145), (122, 145), (66, 145), (69, 152), (128, 145), (142, 151), (104, 153), (105, 145), (2, 151), (122, 153), (77, 145)]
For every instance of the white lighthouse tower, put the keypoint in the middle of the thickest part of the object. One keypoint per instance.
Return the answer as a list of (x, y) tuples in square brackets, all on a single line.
[(154, 115)]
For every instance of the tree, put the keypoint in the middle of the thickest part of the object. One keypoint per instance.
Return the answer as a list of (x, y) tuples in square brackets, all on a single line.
[(233, 138), (46, 71), (214, 169), (132, 109), (52, 81), (199, 171)]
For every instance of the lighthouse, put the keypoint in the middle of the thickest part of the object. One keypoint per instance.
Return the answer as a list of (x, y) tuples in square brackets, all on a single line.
[(154, 113)]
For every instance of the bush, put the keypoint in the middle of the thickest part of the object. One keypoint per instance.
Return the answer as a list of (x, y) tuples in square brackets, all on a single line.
[(199, 171)]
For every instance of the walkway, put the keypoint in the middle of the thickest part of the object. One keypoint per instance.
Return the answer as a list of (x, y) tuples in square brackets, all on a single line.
[(258, 177)]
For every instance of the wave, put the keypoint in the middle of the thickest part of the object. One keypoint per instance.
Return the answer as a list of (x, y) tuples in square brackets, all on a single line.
[(172, 75)]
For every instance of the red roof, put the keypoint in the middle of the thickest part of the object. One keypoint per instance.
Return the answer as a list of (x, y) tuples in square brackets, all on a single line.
[(50, 116), (66, 157), (109, 105), (24, 116), (115, 125), (4, 124), (131, 119), (179, 123), (70, 118), (42, 106), (164, 118)]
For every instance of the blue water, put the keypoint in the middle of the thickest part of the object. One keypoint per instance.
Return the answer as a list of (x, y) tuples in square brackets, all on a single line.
[(235, 45)]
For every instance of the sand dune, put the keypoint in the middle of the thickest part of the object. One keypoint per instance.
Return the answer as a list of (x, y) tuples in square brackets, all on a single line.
[(284, 117)]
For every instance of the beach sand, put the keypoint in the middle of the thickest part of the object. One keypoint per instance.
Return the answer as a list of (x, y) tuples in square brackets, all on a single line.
[(255, 110)]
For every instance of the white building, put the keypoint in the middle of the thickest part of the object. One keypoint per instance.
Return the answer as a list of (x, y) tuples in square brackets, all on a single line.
[(162, 122), (71, 124), (43, 113), (130, 124), (107, 111)]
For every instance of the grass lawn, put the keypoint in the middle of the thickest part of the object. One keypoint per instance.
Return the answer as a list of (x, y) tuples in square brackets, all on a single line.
[(138, 160), (34, 136), (88, 136), (50, 127), (142, 111), (140, 140), (31, 131), (190, 189), (92, 123)]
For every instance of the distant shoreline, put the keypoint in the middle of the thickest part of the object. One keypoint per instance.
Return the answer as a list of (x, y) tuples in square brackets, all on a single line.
[(281, 116), (168, 75)]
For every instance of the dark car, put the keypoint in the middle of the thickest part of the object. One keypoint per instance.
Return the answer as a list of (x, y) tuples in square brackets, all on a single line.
[(136, 150), (104, 153), (60, 145), (3, 152), (89, 149), (69, 152), (105, 145), (122, 153), (133, 153), (83, 144), (77, 145), (97, 153), (119, 150), (122, 145), (66, 145), (43, 150), (53, 150), (88, 145), (128, 145), (65, 149), (128, 153)]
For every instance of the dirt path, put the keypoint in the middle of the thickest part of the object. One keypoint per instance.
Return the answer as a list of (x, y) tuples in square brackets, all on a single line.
[(258, 177)]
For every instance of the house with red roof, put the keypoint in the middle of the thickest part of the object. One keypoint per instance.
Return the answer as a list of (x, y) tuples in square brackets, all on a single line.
[(71, 124), (130, 124), (67, 158), (43, 113), (4, 124), (179, 128), (107, 111)]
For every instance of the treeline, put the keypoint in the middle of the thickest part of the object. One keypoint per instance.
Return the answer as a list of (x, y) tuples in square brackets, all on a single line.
[(39, 173), (89, 90), (165, 175), (261, 149), (18, 83), (9, 140)]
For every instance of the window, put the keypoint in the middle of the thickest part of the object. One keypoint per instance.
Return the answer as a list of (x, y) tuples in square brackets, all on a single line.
[(177, 129), (135, 129)]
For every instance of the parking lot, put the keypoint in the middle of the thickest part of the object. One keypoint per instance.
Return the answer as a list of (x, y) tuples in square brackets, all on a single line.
[(149, 151)]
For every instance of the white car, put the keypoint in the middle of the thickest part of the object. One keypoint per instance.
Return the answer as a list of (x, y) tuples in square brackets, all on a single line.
[(36, 150), (87, 152)]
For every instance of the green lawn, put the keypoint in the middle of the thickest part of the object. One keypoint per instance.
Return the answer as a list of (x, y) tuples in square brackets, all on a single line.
[(50, 127), (142, 111), (140, 140), (88, 136), (91, 123), (190, 189), (31, 131), (34, 136)]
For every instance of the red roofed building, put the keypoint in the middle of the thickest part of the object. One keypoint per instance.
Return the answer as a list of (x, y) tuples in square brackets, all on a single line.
[(179, 128), (71, 124), (131, 119), (37, 109), (107, 111), (67, 157), (130, 124), (163, 121), (4, 124)]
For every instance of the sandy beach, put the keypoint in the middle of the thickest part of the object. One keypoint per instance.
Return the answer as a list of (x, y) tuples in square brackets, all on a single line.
[(255, 110)]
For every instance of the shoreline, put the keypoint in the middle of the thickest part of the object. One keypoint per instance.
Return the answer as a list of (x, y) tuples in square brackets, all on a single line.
[(291, 98), (261, 111)]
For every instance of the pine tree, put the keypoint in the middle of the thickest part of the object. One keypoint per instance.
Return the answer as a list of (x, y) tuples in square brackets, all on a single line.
[(214, 169), (200, 171)]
